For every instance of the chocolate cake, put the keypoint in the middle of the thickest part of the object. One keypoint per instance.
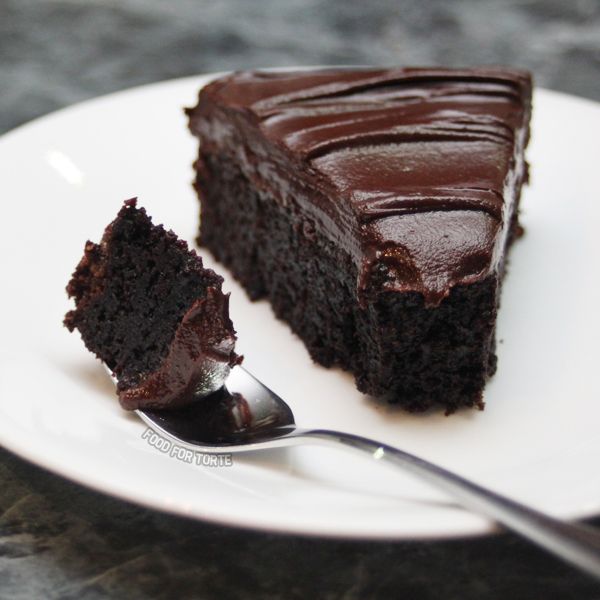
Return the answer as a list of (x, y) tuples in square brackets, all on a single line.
[(147, 308), (374, 209)]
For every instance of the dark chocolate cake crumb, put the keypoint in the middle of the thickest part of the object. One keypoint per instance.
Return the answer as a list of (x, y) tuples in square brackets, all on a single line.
[(148, 309), (374, 208)]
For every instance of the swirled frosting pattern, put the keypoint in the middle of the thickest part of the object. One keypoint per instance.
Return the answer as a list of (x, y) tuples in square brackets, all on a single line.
[(411, 170)]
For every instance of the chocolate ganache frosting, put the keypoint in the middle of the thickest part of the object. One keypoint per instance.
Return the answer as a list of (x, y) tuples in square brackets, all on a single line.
[(410, 170), (198, 361), (147, 308)]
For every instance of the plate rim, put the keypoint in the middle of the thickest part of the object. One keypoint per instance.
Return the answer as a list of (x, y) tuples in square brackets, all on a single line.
[(71, 474)]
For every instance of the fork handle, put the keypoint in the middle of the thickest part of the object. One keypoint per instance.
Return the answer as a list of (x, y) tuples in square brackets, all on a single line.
[(576, 544)]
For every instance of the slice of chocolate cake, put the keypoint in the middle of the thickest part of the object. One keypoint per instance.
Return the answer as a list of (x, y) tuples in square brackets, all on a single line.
[(148, 309), (374, 209)]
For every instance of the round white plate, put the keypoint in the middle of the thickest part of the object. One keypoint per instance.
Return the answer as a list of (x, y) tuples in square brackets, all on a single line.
[(63, 179)]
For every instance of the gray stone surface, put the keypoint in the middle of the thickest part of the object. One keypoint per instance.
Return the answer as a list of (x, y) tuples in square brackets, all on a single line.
[(58, 52), (58, 540)]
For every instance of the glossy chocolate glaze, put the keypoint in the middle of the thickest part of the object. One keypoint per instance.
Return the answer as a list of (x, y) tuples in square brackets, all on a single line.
[(200, 350), (412, 171), (197, 363)]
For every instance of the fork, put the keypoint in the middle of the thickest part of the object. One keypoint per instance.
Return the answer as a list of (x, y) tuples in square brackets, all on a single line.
[(245, 415)]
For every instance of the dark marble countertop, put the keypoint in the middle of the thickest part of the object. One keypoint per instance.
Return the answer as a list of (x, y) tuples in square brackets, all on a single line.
[(59, 540)]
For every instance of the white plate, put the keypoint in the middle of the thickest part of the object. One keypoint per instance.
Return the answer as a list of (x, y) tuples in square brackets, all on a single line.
[(64, 178)]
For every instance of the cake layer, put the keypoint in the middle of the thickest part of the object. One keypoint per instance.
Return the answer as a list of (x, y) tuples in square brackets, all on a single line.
[(373, 208), (395, 345), (148, 309)]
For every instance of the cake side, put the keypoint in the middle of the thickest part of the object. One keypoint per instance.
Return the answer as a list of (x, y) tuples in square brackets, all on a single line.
[(396, 280), (396, 346), (148, 309)]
